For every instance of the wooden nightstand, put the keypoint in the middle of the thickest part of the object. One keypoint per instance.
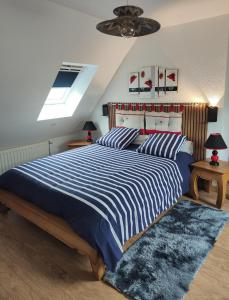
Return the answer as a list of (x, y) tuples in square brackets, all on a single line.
[(219, 173), (78, 144)]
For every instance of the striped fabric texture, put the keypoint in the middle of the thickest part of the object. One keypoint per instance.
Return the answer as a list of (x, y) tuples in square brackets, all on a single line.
[(124, 191), (163, 145), (119, 138)]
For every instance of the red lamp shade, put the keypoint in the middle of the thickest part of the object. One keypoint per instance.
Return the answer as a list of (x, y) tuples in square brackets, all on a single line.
[(215, 142)]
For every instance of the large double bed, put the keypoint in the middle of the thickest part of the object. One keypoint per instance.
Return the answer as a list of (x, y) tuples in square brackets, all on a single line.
[(96, 198)]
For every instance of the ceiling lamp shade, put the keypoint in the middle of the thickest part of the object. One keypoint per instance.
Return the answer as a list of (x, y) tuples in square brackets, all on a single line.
[(128, 23)]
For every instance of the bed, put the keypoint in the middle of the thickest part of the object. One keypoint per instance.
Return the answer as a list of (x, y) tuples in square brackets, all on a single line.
[(96, 198)]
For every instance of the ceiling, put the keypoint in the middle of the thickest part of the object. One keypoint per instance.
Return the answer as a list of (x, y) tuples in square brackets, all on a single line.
[(167, 12)]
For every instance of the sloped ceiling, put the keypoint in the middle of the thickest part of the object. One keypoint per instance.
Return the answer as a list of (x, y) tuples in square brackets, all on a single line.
[(36, 36), (168, 12)]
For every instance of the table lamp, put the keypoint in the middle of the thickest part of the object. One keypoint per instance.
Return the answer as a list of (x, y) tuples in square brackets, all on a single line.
[(215, 142), (89, 126)]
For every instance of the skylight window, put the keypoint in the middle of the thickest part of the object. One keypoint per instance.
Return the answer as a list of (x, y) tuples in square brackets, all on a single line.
[(57, 96), (67, 90)]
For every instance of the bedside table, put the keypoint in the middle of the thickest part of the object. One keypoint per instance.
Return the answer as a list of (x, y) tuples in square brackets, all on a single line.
[(206, 171), (78, 144)]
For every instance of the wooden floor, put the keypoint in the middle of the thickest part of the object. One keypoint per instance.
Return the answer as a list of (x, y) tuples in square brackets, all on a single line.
[(33, 265)]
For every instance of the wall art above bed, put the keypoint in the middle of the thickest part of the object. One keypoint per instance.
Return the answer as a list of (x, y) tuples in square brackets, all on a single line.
[(153, 82)]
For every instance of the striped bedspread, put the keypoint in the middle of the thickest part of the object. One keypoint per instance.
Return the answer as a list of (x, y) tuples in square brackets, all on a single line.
[(106, 195)]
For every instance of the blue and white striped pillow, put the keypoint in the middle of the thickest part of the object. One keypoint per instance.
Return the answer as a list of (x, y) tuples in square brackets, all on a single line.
[(119, 137), (162, 144)]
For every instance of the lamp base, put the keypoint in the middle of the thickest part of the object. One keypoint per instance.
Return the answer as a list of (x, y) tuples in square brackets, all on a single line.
[(214, 158), (214, 163), (89, 137)]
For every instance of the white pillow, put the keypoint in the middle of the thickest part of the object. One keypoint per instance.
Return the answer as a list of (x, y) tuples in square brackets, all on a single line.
[(130, 119), (175, 122), (164, 121), (187, 147), (157, 120)]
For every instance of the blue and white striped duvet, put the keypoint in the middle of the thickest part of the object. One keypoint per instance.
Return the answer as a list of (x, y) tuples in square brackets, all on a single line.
[(107, 195)]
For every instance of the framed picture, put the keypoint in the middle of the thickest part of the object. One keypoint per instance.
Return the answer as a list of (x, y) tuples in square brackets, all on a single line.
[(134, 83), (149, 82), (161, 81), (171, 80)]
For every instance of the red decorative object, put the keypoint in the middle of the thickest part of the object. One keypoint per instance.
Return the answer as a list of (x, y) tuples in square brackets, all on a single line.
[(171, 80), (149, 84), (137, 106), (123, 106), (171, 108), (181, 108), (172, 76), (152, 107), (116, 106), (130, 106), (151, 131), (132, 78), (143, 74), (161, 107), (214, 158), (134, 88), (144, 106)]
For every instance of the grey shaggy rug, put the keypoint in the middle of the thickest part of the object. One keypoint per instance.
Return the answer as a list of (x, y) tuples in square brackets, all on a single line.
[(162, 264)]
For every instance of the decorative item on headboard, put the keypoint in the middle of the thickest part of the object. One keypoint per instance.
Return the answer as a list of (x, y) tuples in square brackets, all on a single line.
[(194, 120)]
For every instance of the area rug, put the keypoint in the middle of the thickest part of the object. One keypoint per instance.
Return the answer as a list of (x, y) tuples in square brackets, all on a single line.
[(162, 264)]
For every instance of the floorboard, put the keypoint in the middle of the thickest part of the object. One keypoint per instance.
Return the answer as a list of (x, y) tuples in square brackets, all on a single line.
[(34, 265)]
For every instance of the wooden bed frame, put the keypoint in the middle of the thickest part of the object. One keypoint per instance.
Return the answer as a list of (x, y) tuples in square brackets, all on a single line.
[(58, 228), (195, 121)]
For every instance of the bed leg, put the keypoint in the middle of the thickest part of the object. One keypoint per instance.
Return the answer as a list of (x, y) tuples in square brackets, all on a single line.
[(98, 267), (3, 209)]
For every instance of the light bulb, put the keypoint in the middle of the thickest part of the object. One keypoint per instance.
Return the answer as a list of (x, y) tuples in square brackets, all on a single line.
[(127, 31)]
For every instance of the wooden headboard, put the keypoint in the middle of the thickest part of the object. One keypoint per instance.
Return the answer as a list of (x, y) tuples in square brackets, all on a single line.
[(194, 120)]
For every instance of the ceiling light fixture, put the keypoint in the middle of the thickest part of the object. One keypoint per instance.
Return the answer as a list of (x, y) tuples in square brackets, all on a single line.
[(128, 24)]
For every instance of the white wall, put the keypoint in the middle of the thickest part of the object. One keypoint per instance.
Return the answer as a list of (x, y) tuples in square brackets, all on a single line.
[(36, 36), (198, 50), (225, 154)]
